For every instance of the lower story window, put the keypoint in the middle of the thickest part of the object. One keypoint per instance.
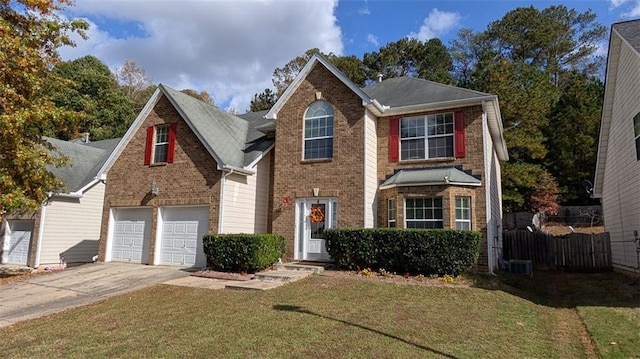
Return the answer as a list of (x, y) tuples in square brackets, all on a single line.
[(424, 213), (463, 213), (391, 213)]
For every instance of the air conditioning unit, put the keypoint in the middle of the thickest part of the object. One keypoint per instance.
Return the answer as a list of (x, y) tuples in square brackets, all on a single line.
[(521, 267)]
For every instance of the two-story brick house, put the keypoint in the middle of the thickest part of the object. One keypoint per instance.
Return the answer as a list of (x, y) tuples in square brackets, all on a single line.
[(400, 153), (403, 152)]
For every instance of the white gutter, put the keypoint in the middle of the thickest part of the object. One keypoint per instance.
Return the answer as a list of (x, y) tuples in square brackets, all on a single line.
[(233, 169), (76, 195), (487, 195), (43, 211), (221, 206)]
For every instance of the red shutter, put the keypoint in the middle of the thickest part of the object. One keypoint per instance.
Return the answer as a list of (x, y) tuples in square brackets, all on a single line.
[(148, 146), (393, 139), (460, 148), (172, 142)]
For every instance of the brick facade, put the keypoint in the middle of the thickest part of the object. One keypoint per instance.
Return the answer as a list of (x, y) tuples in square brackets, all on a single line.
[(473, 161), (341, 177), (192, 178)]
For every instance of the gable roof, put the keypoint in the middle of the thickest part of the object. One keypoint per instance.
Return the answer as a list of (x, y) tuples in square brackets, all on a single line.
[(83, 164), (430, 177), (232, 141), (628, 33), (403, 95)]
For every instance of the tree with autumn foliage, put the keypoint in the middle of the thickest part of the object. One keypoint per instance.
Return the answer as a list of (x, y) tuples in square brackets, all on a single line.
[(31, 32)]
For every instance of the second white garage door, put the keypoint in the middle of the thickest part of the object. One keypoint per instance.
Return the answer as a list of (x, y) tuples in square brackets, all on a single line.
[(19, 241), (182, 231)]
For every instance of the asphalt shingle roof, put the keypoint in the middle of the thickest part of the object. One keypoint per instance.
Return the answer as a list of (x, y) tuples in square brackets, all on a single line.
[(430, 176), (233, 139), (84, 161), (630, 31), (407, 91)]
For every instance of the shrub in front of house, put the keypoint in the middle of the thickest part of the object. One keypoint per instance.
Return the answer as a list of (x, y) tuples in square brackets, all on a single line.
[(416, 251), (246, 253)]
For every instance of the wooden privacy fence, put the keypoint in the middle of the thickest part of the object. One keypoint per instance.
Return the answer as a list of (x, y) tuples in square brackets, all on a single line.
[(574, 252)]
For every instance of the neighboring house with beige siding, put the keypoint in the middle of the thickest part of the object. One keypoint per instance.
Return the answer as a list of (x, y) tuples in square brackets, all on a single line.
[(66, 229), (617, 175)]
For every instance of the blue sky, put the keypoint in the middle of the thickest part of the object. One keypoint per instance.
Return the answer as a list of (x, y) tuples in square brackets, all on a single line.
[(230, 48)]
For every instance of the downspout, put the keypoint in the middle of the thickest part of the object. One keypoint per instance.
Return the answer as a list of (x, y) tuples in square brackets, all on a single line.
[(487, 191), (221, 206), (43, 212)]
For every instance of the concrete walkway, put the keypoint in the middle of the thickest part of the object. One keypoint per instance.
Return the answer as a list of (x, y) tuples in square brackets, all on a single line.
[(78, 286)]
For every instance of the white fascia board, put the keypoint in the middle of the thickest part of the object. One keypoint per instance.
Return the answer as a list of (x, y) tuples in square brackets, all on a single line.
[(494, 122), (238, 170), (315, 59), (444, 105), (130, 132)]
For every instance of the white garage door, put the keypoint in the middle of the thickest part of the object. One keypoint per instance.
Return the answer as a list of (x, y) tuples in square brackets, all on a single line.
[(182, 231), (19, 240), (131, 235)]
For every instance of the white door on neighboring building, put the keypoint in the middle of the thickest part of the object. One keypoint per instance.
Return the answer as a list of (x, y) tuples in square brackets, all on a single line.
[(314, 216), (19, 240)]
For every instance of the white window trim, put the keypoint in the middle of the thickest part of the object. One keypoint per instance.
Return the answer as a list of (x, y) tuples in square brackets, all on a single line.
[(391, 204), (440, 220), (156, 143), (426, 136), (456, 208), (304, 132)]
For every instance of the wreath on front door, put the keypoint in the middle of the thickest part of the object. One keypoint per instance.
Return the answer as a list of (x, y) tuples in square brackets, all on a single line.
[(316, 215)]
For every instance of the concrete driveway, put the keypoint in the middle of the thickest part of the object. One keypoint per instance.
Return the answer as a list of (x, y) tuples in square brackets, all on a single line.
[(77, 286)]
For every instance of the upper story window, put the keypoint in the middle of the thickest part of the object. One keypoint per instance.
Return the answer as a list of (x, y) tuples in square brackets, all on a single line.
[(318, 131), (636, 133), (160, 145), (424, 137)]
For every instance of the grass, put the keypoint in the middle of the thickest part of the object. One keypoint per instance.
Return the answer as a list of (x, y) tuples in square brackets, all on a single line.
[(337, 317)]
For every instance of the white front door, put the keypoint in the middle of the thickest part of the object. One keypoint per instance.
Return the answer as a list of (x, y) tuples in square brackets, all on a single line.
[(314, 216)]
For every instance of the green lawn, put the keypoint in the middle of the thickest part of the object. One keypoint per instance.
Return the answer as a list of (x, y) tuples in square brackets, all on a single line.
[(328, 317)]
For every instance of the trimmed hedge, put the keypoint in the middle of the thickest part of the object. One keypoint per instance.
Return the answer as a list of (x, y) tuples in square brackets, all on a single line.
[(247, 253), (425, 251)]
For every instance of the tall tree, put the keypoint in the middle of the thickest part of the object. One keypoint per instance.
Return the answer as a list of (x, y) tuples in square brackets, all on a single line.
[(137, 85), (524, 58), (573, 138), (410, 57), (263, 101), (31, 31), (555, 39), (92, 91)]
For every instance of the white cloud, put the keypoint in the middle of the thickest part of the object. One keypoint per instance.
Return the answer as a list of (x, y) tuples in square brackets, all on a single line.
[(364, 10), (437, 23), (373, 40), (616, 3), (228, 48)]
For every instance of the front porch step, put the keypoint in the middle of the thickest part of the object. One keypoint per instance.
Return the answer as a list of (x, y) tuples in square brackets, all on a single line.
[(300, 267), (282, 275)]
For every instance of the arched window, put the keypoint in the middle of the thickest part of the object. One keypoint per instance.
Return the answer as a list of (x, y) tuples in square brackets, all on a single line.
[(318, 131)]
